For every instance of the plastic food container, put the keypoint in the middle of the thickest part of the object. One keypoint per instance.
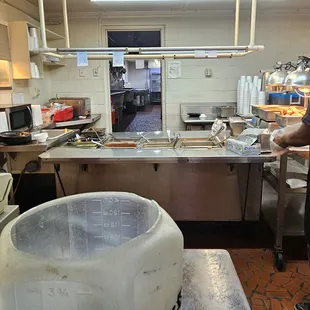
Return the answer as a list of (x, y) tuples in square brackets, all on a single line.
[(91, 252), (46, 116), (41, 137), (63, 115)]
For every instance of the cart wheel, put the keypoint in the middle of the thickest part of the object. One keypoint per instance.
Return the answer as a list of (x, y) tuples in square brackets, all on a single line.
[(279, 261)]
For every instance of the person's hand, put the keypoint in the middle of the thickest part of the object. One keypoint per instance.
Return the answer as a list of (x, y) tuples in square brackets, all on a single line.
[(277, 143), (279, 140)]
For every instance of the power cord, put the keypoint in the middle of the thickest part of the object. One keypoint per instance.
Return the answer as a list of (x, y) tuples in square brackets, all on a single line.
[(31, 167), (60, 180)]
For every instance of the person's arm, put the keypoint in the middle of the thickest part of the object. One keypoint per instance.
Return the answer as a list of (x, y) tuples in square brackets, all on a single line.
[(299, 137)]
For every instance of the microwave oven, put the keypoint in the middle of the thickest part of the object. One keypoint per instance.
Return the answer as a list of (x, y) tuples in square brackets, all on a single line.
[(19, 117)]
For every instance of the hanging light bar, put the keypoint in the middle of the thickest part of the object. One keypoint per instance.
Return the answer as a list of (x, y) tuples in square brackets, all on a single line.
[(154, 52), (237, 21)]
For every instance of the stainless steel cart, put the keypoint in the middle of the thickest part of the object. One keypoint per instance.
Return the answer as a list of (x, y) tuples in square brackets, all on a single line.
[(284, 221)]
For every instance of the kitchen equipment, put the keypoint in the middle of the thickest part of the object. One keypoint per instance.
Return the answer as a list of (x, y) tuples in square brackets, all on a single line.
[(15, 137), (264, 79), (19, 117), (281, 98), (264, 140), (94, 133), (237, 125), (69, 254), (81, 105), (193, 114), (268, 112), (226, 111), (287, 120), (63, 115), (6, 182)]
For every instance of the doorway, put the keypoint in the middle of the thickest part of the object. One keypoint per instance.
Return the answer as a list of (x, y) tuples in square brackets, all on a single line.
[(136, 88)]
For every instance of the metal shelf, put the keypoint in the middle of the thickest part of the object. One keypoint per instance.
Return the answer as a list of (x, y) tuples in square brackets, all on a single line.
[(293, 214)]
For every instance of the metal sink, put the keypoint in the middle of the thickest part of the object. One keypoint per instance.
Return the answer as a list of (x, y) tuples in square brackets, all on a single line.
[(56, 133), (198, 143)]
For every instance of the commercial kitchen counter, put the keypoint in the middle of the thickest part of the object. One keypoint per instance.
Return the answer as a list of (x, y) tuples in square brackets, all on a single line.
[(91, 119), (161, 155), (188, 183), (97, 156), (35, 146)]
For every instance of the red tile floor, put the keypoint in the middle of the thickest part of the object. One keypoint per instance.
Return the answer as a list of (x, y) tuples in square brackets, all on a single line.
[(266, 288)]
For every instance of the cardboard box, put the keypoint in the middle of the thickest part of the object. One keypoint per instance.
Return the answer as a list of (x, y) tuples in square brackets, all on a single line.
[(242, 148)]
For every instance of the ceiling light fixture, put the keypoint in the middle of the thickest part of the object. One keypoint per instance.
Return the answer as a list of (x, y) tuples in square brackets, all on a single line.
[(161, 53)]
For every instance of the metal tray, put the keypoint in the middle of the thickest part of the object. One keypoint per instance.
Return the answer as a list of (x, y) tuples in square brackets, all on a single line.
[(255, 109), (287, 120), (226, 111), (268, 114)]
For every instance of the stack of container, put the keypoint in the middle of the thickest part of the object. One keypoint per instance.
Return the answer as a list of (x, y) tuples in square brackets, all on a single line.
[(249, 93)]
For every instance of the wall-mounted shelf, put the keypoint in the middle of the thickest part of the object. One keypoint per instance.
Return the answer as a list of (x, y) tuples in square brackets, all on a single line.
[(27, 64), (50, 35), (53, 64)]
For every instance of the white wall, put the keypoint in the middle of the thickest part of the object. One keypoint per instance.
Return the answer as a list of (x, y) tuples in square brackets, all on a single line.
[(284, 36)]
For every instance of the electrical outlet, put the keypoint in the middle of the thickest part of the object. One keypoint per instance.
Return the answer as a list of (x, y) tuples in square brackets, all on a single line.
[(82, 73), (96, 72), (208, 72)]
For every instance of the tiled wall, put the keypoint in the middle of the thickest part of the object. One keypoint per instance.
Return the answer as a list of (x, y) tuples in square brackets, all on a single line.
[(67, 81), (284, 36)]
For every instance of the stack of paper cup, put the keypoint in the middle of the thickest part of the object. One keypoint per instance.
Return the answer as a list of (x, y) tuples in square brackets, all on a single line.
[(249, 79), (251, 85), (238, 96), (254, 96), (261, 97), (255, 80), (241, 94), (246, 100), (259, 85)]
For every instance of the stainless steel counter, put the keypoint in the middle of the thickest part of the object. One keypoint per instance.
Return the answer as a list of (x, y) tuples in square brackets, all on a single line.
[(35, 146), (196, 120), (80, 122), (115, 93), (97, 156), (211, 282), (160, 155)]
